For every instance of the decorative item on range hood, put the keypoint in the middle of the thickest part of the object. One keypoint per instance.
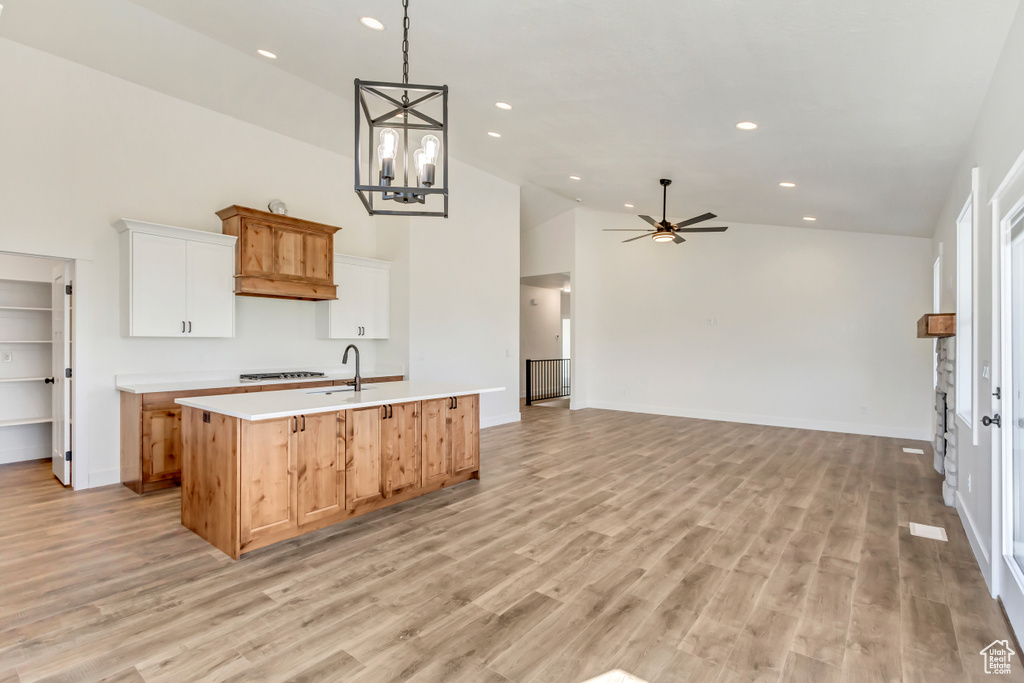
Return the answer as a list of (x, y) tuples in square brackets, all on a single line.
[(280, 256), (390, 115)]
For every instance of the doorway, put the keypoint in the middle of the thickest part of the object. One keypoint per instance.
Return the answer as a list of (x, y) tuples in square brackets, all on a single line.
[(35, 362), (545, 328)]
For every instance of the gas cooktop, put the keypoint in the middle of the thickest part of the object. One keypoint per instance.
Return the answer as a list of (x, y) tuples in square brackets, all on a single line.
[(263, 376)]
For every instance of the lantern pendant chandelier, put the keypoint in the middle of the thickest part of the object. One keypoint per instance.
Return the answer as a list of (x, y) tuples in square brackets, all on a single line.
[(390, 119)]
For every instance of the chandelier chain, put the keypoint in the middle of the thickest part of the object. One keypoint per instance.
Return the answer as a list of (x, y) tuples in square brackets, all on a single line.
[(405, 49)]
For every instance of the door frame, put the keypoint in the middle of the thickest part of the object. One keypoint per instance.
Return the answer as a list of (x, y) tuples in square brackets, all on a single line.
[(80, 459), (1007, 577)]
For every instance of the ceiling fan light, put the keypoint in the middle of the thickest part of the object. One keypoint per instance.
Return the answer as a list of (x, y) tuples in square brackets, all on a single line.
[(663, 236)]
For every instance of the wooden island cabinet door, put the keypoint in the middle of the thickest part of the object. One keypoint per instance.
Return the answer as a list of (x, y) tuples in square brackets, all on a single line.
[(464, 430), (436, 465), (266, 479), (321, 470), (400, 448), (363, 481), (161, 444)]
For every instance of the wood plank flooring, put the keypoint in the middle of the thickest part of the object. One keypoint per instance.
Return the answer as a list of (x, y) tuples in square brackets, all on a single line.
[(673, 549)]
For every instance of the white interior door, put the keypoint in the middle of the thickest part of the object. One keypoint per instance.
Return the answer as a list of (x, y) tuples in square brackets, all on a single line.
[(158, 286), (210, 296), (61, 434)]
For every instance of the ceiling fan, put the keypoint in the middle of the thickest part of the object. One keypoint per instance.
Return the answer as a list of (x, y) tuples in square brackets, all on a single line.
[(665, 231)]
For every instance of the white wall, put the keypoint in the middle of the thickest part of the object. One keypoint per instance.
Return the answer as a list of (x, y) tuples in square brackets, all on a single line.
[(997, 142), (83, 149), (540, 327), (810, 328), (464, 291), (548, 248)]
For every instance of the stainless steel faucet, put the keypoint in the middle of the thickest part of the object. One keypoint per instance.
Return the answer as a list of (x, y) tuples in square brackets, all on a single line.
[(358, 386)]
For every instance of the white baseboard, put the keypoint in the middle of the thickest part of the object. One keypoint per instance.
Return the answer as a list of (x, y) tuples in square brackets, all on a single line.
[(981, 554), (496, 420), (769, 421), (102, 478), (24, 454)]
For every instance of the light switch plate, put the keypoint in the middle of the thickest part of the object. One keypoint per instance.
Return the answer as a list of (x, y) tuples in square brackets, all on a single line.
[(8, 356)]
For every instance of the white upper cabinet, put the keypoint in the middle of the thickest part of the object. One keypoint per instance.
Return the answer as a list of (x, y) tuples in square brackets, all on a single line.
[(176, 282), (362, 309)]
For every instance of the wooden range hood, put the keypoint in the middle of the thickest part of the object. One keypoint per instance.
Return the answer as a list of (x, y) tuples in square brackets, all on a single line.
[(279, 256)]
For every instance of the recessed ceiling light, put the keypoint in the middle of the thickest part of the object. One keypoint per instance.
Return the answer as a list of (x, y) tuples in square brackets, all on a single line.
[(810, 218), (493, 134), (787, 184), (370, 22), (746, 125), (574, 177), (503, 105), (267, 53), (628, 206)]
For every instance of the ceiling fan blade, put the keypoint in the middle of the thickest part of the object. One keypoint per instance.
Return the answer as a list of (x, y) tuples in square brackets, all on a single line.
[(677, 239), (696, 219), (702, 229), (631, 239), (626, 230), (651, 221)]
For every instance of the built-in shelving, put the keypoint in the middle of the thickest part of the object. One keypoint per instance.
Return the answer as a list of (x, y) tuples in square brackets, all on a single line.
[(25, 421)]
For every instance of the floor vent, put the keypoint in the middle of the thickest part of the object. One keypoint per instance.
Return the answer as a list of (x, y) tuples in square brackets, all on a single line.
[(915, 451), (926, 531)]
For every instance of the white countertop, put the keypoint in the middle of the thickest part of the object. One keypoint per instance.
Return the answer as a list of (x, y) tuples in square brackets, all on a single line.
[(267, 405), (149, 384)]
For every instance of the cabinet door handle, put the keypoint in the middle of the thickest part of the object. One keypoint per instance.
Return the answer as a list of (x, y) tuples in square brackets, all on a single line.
[(183, 327), (384, 412), (456, 403), (303, 423), (391, 411), (190, 327), (295, 424)]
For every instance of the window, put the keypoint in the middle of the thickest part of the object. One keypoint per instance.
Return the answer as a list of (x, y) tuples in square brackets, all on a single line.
[(965, 314)]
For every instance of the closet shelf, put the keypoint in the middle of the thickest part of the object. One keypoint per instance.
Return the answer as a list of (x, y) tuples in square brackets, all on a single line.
[(25, 421)]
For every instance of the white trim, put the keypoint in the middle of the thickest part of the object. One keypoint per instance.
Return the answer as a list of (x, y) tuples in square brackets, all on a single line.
[(922, 434), (103, 478), (981, 554), (497, 420), (131, 225)]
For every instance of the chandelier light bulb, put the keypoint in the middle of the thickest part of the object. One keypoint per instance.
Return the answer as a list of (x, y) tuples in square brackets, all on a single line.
[(431, 147), (388, 143), (420, 158)]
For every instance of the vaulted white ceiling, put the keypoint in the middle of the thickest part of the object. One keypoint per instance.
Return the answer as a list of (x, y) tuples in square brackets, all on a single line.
[(867, 105)]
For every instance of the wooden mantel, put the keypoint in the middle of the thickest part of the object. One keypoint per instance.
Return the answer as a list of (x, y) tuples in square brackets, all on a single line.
[(933, 325)]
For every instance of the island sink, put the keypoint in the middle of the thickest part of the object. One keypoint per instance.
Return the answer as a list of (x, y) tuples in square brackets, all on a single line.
[(259, 469)]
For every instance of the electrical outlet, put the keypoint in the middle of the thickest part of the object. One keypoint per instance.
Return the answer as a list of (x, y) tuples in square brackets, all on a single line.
[(968, 483), (8, 356)]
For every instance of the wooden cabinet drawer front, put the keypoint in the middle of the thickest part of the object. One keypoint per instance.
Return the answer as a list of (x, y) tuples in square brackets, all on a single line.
[(363, 483), (436, 463), (165, 399), (400, 448), (288, 253), (161, 445), (318, 261), (321, 471), (267, 484), (256, 249)]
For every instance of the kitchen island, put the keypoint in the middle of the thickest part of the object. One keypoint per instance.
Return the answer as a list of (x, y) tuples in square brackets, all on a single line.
[(263, 467)]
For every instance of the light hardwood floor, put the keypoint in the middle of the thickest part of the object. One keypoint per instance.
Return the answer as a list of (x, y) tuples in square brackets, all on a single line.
[(674, 549)]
